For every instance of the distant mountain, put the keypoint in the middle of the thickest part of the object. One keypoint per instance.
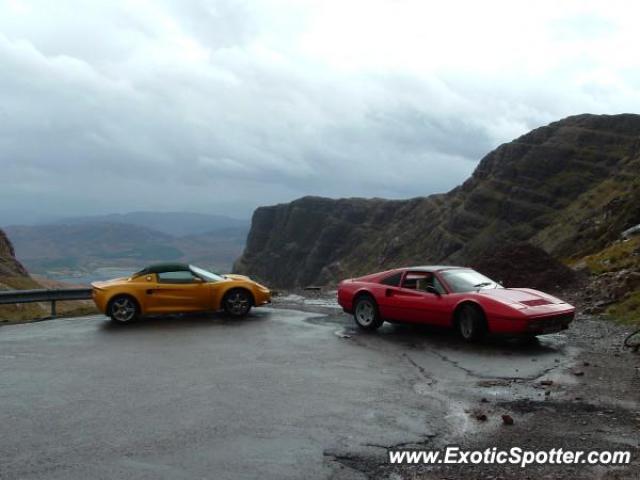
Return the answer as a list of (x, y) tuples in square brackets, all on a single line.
[(172, 223), (60, 249)]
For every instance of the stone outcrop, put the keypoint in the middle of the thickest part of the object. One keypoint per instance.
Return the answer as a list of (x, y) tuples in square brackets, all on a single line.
[(525, 265), (13, 276), (9, 266)]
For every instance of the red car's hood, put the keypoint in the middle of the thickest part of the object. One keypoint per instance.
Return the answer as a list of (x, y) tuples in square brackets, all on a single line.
[(523, 296)]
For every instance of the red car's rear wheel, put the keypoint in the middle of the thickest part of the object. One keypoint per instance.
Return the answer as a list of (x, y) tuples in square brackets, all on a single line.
[(366, 314)]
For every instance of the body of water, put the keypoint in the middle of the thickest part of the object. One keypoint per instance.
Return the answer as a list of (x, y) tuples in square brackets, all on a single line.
[(85, 278)]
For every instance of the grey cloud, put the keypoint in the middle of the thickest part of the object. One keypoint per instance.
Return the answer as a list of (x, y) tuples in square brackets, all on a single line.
[(210, 106)]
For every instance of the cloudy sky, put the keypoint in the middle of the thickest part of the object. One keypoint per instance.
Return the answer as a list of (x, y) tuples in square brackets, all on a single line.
[(220, 106)]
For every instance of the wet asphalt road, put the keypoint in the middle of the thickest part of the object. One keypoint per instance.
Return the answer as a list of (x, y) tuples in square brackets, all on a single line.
[(281, 394)]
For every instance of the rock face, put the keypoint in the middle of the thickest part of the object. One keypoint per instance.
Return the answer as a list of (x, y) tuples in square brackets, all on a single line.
[(611, 287), (524, 265), (9, 266), (568, 188), (13, 276)]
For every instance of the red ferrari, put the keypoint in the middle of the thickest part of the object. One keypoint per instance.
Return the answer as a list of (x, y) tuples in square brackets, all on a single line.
[(452, 297)]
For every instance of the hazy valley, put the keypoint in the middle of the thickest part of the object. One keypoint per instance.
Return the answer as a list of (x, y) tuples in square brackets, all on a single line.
[(78, 250)]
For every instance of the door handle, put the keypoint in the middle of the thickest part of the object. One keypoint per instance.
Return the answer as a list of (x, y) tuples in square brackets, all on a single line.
[(150, 291), (388, 292)]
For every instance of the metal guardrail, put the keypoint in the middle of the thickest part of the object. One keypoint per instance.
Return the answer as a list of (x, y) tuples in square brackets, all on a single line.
[(43, 295)]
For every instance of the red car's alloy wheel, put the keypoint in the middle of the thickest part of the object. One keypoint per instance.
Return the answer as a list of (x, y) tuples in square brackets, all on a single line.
[(471, 323), (466, 324), (366, 313)]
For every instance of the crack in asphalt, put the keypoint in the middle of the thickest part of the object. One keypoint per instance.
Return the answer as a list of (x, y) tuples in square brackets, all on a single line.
[(454, 363), (352, 462), (479, 375), (358, 340), (370, 465), (427, 440), (419, 368)]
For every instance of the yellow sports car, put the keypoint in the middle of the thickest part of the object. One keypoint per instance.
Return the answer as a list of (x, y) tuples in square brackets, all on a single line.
[(177, 288)]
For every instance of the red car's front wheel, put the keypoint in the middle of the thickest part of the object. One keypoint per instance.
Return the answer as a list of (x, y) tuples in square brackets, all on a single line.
[(366, 314), (471, 323)]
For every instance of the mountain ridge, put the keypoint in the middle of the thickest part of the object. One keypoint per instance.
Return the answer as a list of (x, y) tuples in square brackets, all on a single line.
[(569, 188), (172, 223)]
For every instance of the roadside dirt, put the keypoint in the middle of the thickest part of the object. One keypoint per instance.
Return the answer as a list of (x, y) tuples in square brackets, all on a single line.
[(593, 404), (588, 401)]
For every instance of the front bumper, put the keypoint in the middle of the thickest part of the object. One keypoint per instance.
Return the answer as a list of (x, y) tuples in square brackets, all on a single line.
[(262, 297), (532, 324), (99, 297), (549, 324)]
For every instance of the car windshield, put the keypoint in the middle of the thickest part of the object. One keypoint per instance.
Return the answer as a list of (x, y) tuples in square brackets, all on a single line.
[(209, 276), (467, 280)]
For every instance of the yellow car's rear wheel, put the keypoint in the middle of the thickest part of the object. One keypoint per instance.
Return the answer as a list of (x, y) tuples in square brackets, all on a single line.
[(123, 309), (237, 302)]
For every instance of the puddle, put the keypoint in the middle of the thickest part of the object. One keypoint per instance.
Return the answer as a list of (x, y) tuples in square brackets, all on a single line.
[(324, 301), (341, 334), (457, 416)]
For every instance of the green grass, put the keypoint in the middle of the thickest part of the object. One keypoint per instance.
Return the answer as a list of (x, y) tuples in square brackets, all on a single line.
[(562, 238), (617, 256), (20, 311), (626, 311), (18, 283)]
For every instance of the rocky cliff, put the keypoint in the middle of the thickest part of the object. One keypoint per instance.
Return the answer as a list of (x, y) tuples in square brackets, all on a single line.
[(11, 270), (13, 276), (569, 189)]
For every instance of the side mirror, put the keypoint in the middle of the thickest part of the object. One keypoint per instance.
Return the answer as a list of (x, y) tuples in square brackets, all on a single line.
[(432, 289)]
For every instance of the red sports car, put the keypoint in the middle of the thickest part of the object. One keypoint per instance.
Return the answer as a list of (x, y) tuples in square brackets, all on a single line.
[(452, 297)]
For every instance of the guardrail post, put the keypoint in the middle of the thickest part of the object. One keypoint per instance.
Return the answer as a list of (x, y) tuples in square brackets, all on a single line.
[(53, 309)]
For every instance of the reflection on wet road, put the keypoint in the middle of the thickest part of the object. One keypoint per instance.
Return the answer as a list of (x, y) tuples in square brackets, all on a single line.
[(279, 393)]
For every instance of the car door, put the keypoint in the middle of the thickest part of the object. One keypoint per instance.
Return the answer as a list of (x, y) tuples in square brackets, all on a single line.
[(414, 304), (385, 296), (178, 291)]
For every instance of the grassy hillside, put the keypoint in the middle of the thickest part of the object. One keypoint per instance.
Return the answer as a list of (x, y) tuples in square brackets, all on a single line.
[(177, 224)]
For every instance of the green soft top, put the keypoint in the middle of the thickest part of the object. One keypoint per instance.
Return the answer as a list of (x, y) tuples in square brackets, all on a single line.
[(163, 267)]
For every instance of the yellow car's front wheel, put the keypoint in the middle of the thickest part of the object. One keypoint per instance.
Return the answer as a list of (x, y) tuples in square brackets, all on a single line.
[(237, 303), (123, 309)]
